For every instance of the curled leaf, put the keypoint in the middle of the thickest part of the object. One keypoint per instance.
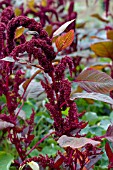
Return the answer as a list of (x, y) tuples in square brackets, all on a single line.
[(97, 16), (62, 28)]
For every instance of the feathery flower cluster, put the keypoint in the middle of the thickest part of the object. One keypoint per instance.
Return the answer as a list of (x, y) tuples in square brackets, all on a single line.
[(58, 91)]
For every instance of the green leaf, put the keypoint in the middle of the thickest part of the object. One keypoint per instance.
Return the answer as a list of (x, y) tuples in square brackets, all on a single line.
[(105, 124), (5, 160), (91, 117), (66, 111)]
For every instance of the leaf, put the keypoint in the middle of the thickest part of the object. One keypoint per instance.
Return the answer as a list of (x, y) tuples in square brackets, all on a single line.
[(34, 91), (99, 65), (31, 5), (4, 124), (33, 165), (109, 133), (92, 80), (103, 48), (74, 142), (26, 83), (17, 12), (95, 37), (21, 114), (94, 96), (97, 16), (110, 34), (9, 59), (49, 29), (62, 28), (5, 160), (44, 3), (92, 162), (65, 40), (19, 32), (109, 152), (91, 117)]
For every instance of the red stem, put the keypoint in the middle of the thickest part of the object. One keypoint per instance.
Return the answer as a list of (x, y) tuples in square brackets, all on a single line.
[(40, 141)]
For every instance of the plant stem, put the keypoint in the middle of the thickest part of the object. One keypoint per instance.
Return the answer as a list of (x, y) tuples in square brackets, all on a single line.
[(40, 141)]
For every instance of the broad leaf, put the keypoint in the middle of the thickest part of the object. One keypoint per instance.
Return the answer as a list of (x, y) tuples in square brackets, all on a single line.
[(5, 160), (97, 16), (34, 90), (4, 124), (9, 59), (74, 142), (62, 28), (92, 80), (19, 32), (109, 152), (65, 40), (103, 48), (109, 133), (94, 96), (110, 34)]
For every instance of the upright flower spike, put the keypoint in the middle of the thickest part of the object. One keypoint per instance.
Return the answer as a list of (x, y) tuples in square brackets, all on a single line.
[(2, 37)]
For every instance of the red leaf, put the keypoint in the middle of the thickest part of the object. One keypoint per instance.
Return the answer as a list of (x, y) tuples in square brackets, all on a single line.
[(109, 133), (109, 152), (93, 80), (65, 40), (74, 142), (94, 96)]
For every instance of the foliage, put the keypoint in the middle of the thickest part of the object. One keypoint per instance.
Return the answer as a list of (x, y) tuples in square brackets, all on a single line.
[(50, 76)]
